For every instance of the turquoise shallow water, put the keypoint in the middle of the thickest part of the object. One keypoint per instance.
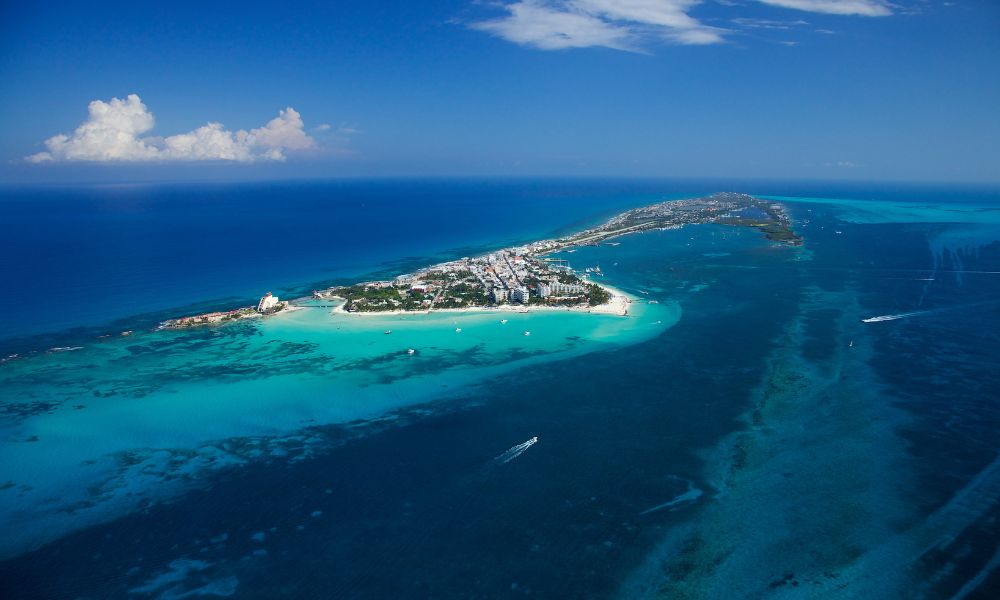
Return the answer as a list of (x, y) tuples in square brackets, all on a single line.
[(98, 429), (903, 210)]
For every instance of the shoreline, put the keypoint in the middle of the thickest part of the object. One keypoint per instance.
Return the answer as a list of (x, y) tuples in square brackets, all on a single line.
[(617, 305)]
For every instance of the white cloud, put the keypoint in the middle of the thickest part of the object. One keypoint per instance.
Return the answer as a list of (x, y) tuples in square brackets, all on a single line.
[(626, 24), (113, 132), (865, 8), (284, 132), (534, 23), (616, 24)]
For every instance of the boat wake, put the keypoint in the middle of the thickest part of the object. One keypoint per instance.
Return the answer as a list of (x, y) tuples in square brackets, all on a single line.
[(881, 318), (516, 451), (943, 309), (691, 495)]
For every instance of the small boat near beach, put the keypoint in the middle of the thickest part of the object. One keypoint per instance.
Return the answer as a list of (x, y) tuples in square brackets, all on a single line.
[(527, 333), (458, 330), (503, 321), (387, 331)]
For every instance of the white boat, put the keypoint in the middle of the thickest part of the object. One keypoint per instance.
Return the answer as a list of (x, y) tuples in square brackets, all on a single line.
[(503, 321), (411, 351), (458, 330), (387, 331), (527, 333)]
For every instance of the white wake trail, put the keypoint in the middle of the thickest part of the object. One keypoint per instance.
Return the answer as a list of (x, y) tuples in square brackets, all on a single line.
[(881, 318), (515, 451)]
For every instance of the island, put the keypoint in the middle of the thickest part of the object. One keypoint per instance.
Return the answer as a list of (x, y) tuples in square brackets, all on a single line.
[(528, 276)]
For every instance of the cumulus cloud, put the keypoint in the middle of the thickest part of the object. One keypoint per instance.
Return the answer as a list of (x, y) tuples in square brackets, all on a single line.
[(114, 132), (864, 8), (616, 24)]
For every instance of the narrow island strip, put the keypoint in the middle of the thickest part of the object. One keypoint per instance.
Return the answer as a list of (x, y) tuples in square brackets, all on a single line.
[(527, 277)]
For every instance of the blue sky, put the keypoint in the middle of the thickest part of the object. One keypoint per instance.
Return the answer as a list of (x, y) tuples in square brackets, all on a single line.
[(838, 89)]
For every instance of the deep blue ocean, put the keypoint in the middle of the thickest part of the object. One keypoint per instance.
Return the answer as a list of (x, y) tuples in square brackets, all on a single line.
[(770, 443)]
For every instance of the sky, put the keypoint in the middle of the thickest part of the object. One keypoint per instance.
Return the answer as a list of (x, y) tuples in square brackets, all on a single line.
[(895, 90)]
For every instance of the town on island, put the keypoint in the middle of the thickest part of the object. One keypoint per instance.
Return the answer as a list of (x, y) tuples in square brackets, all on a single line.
[(526, 277)]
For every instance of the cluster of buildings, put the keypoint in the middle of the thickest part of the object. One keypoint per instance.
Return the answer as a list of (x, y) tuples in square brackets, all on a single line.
[(509, 276), (515, 275)]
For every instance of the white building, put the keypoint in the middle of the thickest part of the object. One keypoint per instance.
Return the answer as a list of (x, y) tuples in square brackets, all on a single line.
[(567, 288), (519, 294), (267, 303), (499, 295), (543, 290)]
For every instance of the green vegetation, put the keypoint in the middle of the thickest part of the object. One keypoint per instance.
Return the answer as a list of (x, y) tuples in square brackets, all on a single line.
[(571, 301), (780, 232), (366, 298), (597, 295), (568, 277), (473, 295), (452, 302)]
